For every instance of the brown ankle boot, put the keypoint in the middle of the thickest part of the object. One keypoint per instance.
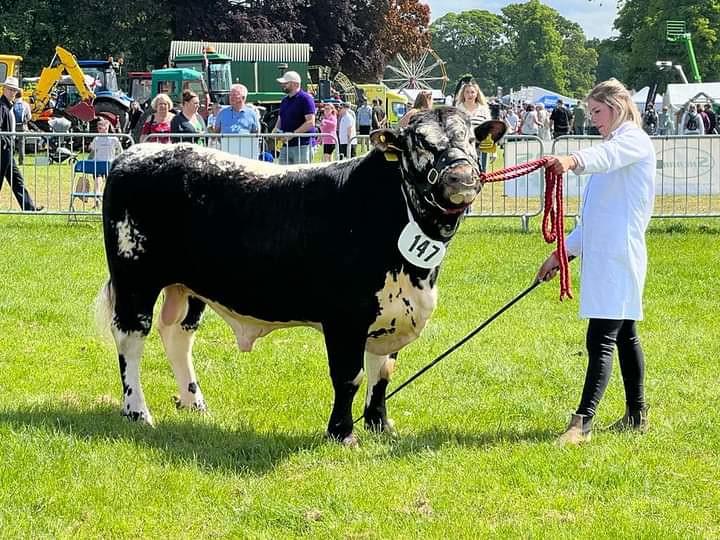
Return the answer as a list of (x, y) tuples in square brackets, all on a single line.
[(636, 421), (578, 431)]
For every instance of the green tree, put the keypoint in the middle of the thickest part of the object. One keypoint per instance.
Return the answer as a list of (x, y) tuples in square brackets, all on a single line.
[(579, 60), (536, 46), (642, 27), (472, 42), (612, 59)]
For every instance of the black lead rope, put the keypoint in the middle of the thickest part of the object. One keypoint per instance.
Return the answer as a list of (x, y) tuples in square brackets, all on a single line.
[(462, 341)]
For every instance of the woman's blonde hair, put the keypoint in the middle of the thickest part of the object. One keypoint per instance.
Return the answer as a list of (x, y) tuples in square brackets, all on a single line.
[(479, 96), (614, 94), (161, 98)]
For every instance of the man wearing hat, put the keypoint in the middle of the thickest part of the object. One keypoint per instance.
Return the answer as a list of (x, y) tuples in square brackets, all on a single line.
[(8, 168), (297, 115)]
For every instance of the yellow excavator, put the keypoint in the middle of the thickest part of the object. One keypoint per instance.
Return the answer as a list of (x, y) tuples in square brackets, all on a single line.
[(63, 62)]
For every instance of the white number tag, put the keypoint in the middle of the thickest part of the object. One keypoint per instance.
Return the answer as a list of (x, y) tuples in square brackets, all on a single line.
[(419, 249)]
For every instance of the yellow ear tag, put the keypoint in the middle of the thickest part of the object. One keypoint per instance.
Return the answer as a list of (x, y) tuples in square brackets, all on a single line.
[(488, 145), (391, 156)]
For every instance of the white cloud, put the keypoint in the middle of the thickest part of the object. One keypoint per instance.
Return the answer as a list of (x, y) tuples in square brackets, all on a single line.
[(594, 16)]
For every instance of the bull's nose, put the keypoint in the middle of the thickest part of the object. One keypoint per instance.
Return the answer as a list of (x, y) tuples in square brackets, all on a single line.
[(462, 197)]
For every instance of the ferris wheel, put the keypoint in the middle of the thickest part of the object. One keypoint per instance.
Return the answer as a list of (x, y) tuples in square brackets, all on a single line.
[(425, 72)]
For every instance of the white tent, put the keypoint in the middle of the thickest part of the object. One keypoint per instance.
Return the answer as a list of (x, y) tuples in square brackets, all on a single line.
[(536, 94), (640, 98), (677, 95)]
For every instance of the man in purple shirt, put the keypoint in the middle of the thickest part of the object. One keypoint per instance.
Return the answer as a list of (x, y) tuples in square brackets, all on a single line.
[(297, 115)]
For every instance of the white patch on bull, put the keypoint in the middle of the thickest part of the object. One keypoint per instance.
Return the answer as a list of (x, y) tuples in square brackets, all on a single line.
[(248, 329), (130, 239), (130, 346), (143, 151), (358, 378), (404, 312), (433, 134), (457, 129), (225, 161)]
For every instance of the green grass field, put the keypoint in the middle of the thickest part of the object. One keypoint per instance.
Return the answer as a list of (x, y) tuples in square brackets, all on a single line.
[(474, 457)]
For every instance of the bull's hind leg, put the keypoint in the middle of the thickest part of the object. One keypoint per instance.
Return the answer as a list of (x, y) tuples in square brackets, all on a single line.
[(379, 369), (179, 319), (345, 344), (131, 323)]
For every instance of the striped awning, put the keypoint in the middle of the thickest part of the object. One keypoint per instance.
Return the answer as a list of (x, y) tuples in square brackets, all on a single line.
[(247, 52)]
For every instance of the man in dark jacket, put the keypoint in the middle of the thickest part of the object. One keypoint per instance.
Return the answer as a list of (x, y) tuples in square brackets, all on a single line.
[(560, 120), (8, 168)]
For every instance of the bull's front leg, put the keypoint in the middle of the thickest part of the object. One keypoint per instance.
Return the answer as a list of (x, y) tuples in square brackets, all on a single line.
[(379, 369), (345, 344)]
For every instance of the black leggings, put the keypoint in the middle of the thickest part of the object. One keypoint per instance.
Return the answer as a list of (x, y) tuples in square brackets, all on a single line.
[(602, 337)]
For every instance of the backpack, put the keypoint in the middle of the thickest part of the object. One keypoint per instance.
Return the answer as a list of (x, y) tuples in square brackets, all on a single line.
[(19, 112), (692, 123)]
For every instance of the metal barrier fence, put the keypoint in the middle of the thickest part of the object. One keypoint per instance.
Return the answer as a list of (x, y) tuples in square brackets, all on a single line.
[(687, 182), (60, 174), (514, 198)]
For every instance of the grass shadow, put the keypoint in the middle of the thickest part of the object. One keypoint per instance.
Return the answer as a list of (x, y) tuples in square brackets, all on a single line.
[(438, 438), (182, 440)]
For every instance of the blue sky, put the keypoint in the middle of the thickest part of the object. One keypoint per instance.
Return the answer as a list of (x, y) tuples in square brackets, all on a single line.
[(595, 16)]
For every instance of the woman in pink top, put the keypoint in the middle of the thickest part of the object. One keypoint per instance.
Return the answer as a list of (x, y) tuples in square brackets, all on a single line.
[(159, 121), (328, 128)]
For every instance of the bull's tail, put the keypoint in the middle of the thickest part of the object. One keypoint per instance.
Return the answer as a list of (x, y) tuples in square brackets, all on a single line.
[(104, 308)]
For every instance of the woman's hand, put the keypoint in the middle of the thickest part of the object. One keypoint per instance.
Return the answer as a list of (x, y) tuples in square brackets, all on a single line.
[(561, 164), (549, 268)]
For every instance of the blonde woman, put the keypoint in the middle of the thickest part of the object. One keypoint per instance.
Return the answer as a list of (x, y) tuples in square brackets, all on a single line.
[(423, 102), (611, 241), (471, 101), (159, 121)]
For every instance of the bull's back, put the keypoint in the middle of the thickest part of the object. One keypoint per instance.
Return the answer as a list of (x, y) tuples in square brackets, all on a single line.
[(238, 235)]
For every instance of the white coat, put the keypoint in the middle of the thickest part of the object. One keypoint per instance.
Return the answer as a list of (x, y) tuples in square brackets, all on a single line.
[(616, 210)]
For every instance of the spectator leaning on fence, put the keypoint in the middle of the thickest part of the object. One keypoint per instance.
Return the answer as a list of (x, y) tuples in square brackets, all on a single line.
[(159, 121), (188, 120), (9, 170), (240, 118), (610, 238), (297, 115)]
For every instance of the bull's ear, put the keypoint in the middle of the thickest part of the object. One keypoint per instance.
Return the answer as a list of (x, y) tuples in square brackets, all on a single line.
[(385, 140), (495, 129)]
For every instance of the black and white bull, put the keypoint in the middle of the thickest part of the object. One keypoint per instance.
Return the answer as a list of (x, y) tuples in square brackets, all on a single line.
[(351, 248)]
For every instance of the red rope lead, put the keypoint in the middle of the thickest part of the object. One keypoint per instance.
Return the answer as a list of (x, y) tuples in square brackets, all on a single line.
[(553, 224)]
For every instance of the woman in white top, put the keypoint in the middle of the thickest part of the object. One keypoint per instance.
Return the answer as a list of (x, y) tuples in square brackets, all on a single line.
[(471, 101), (617, 205), (530, 123), (544, 119)]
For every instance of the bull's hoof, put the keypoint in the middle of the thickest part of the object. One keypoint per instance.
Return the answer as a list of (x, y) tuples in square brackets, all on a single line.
[(385, 425), (142, 417), (197, 406), (349, 440)]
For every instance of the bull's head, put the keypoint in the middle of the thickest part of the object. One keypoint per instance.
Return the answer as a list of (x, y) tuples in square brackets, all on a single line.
[(439, 163)]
